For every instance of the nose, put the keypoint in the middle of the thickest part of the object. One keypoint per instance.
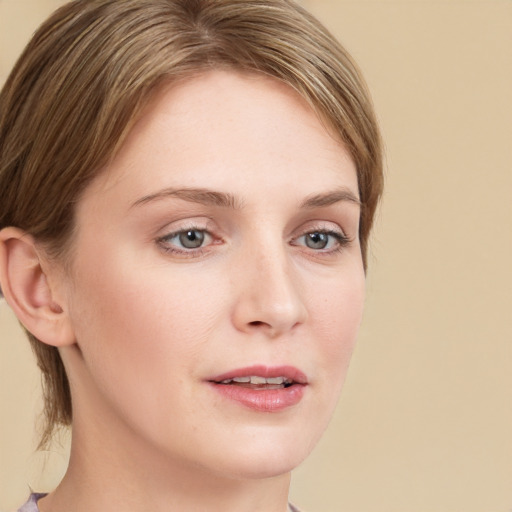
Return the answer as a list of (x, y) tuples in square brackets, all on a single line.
[(269, 299)]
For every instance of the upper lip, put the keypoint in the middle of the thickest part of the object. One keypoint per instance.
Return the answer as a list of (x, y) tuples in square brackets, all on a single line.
[(290, 373)]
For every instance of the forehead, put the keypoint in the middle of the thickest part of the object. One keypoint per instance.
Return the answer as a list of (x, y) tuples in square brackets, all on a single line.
[(221, 127)]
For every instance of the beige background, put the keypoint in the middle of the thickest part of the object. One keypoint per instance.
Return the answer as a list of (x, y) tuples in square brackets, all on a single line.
[(425, 421)]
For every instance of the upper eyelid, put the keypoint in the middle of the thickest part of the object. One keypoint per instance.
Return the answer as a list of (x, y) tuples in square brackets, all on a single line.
[(177, 232), (202, 224), (324, 226), (192, 227)]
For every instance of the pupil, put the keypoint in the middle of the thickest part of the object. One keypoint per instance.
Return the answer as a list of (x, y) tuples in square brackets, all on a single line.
[(317, 240), (192, 239)]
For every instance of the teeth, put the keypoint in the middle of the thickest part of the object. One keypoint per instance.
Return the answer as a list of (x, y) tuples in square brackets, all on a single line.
[(243, 379), (275, 380), (257, 380)]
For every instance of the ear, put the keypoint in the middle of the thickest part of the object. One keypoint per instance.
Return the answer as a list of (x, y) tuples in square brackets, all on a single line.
[(27, 289)]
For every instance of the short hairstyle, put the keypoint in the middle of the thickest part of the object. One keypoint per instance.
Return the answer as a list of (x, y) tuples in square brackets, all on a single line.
[(87, 74)]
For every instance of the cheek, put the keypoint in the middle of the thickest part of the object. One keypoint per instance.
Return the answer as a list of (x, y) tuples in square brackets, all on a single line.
[(336, 321), (130, 315), (142, 334)]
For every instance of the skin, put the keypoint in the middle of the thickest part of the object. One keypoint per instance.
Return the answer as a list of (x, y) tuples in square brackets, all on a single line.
[(152, 321)]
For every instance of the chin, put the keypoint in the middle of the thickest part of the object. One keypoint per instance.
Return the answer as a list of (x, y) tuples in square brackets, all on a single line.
[(266, 456), (263, 467)]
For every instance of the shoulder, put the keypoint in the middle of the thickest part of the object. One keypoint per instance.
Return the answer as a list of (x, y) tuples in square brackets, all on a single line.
[(31, 504)]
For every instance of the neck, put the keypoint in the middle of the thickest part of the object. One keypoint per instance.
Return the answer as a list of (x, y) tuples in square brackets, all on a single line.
[(103, 475)]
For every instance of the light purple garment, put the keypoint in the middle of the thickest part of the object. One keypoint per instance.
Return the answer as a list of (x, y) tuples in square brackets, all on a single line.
[(31, 505)]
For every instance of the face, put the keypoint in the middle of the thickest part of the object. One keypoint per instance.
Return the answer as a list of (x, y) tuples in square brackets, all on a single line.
[(217, 285)]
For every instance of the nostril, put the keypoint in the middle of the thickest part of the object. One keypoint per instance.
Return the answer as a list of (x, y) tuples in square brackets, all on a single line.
[(257, 323)]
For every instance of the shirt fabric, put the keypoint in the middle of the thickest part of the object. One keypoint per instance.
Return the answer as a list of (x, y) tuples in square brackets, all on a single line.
[(31, 504)]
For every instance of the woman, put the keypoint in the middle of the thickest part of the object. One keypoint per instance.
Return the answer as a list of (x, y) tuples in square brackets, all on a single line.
[(187, 192)]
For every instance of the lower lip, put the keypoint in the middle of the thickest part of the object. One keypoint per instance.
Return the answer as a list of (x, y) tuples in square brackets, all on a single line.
[(262, 400)]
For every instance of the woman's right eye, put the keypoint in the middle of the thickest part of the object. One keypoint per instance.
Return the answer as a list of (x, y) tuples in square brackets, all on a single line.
[(186, 240)]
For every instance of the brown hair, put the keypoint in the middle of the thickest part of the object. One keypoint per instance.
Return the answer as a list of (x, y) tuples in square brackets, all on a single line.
[(86, 75)]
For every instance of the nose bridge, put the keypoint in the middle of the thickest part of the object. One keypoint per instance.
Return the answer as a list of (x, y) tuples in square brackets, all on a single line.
[(269, 298)]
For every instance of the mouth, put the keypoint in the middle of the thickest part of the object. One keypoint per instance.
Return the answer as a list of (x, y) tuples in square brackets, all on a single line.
[(262, 388), (258, 382)]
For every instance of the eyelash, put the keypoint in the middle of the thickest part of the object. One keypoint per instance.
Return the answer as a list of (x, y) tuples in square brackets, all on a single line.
[(164, 241), (340, 238)]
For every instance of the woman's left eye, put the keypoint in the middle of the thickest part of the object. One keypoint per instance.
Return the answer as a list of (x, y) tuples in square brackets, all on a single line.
[(186, 240), (322, 240)]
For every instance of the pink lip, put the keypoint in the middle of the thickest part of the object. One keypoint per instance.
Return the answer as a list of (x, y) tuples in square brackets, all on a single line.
[(289, 372), (263, 400)]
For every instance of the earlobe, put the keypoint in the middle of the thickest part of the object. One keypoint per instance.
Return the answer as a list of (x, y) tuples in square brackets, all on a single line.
[(27, 289)]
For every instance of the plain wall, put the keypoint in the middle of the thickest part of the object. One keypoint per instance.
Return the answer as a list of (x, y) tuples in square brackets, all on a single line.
[(425, 420)]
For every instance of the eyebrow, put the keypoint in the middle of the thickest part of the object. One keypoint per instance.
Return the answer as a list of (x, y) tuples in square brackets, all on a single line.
[(330, 198), (225, 200), (194, 195)]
